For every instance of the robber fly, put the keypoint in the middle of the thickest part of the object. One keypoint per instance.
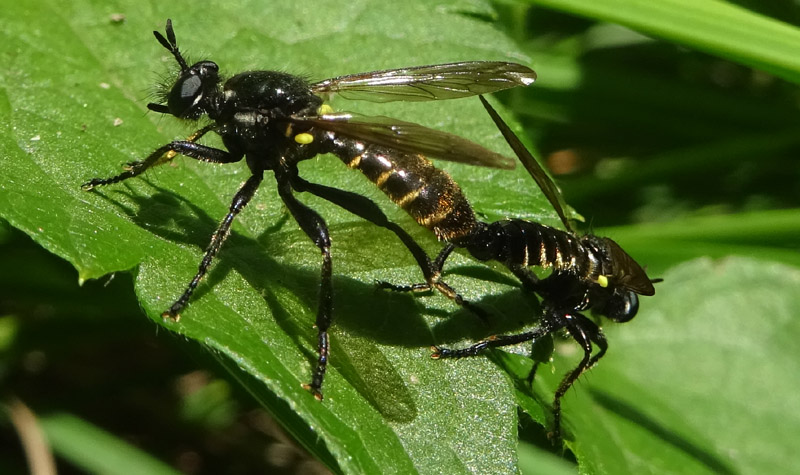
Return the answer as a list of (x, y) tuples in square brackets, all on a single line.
[(274, 120)]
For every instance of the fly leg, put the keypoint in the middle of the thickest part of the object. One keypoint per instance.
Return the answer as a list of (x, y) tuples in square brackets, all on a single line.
[(433, 280), (365, 208), (240, 200), (191, 149), (315, 228), (585, 332), (165, 154), (547, 327)]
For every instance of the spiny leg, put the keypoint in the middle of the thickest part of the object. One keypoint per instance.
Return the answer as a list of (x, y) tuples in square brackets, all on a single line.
[(314, 226), (166, 153), (204, 153), (494, 341), (433, 281), (365, 208), (240, 200), (583, 331), (547, 327)]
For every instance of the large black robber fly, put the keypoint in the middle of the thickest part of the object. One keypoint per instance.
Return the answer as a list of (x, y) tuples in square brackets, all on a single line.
[(588, 273), (274, 120)]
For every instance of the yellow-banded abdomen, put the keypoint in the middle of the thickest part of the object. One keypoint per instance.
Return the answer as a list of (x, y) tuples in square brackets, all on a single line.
[(428, 194)]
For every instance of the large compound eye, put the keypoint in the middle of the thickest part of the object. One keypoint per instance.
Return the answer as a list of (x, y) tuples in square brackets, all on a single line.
[(186, 92), (622, 308)]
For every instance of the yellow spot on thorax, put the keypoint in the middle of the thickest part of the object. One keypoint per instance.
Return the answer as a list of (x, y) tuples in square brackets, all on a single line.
[(602, 281), (304, 138), (324, 109)]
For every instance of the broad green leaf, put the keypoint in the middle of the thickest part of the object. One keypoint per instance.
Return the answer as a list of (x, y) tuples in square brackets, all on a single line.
[(70, 73), (700, 382), (74, 89)]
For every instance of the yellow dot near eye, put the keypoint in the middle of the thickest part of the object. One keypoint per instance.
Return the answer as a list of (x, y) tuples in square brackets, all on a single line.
[(324, 109), (602, 281), (304, 138)]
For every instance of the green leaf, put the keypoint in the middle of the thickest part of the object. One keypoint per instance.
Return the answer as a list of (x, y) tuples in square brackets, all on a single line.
[(696, 383), (73, 105), (96, 451), (699, 382), (705, 375), (713, 26)]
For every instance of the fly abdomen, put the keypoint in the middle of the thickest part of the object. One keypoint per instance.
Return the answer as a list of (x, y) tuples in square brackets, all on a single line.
[(428, 194), (521, 243)]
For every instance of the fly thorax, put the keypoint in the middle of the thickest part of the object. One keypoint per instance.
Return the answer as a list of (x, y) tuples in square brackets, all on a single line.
[(600, 266)]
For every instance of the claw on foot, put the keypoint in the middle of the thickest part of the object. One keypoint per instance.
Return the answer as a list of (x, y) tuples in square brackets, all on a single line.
[(175, 317), (315, 391)]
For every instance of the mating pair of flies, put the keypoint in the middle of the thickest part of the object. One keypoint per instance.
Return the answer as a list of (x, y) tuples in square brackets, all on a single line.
[(275, 120)]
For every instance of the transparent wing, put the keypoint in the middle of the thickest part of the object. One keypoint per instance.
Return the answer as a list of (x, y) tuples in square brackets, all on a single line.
[(429, 83), (408, 137), (529, 162)]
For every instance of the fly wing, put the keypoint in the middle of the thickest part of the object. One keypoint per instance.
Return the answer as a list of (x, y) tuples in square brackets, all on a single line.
[(530, 163), (429, 83), (408, 137), (627, 272)]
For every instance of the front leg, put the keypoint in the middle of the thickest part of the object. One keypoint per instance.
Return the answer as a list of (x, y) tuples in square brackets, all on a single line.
[(165, 154)]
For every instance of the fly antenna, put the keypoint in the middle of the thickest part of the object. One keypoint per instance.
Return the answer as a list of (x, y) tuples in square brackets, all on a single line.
[(171, 44)]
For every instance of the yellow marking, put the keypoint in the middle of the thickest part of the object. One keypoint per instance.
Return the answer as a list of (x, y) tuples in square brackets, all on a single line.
[(602, 281), (304, 138), (355, 161), (324, 109), (559, 259), (170, 154), (408, 198), (383, 177), (435, 218), (543, 256), (525, 257), (166, 157), (288, 130)]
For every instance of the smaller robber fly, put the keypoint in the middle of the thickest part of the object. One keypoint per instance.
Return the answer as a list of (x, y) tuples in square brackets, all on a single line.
[(275, 120), (588, 273)]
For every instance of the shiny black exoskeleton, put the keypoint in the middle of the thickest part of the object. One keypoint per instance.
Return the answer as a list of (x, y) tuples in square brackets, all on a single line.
[(274, 120), (588, 273)]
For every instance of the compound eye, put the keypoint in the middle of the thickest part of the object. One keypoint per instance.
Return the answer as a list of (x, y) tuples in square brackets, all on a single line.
[(622, 308), (208, 68), (186, 92)]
